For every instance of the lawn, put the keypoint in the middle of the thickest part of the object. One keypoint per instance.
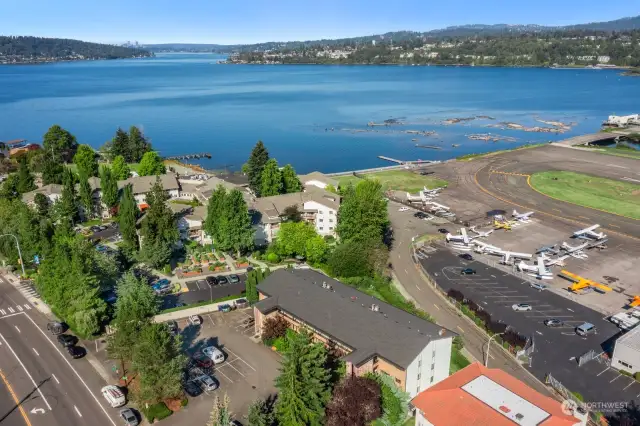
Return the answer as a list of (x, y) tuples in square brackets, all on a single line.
[(458, 361), (400, 180), (622, 198)]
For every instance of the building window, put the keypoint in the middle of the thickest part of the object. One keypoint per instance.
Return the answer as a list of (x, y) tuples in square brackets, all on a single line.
[(418, 389), (331, 228), (398, 381), (330, 220), (418, 376), (419, 363), (320, 220), (321, 228), (433, 366)]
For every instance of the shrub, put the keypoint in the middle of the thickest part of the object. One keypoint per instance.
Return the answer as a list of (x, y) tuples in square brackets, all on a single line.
[(274, 327), (496, 327), (157, 411), (578, 396), (184, 402), (637, 376), (167, 269), (273, 258), (456, 295)]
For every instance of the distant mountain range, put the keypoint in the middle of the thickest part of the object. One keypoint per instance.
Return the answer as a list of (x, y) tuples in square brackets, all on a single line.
[(623, 24)]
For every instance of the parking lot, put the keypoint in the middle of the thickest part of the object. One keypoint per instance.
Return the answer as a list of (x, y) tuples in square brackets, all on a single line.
[(556, 349), (201, 291), (247, 373)]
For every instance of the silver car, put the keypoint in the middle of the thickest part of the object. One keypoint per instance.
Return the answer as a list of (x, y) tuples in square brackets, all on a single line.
[(129, 417), (519, 307)]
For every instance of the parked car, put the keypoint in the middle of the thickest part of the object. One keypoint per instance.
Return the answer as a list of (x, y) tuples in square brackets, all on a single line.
[(225, 307), (129, 417), (67, 340), (56, 328), (222, 280), (443, 231), (520, 307), (195, 320), (466, 256), (233, 279), (162, 282), (76, 352), (207, 383), (216, 355), (586, 329), (201, 360), (468, 271), (192, 389), (420, 215), (173, 327), (553, 322), (403, 209), (114, 396), (538, 286), (241, 303), (213, 281)]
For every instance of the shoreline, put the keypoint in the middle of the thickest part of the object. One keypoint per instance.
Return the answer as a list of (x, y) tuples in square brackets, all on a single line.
[(72, 60), (568, 67)]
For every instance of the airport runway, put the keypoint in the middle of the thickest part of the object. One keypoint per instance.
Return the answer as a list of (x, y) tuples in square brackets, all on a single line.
[(51, 388)]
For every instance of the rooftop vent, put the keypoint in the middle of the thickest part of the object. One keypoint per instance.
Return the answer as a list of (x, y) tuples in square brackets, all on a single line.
[(519, 416)]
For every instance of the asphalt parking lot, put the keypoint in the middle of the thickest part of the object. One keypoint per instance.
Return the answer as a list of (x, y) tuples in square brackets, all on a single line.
[(556, 349), (201, 291), (247, 373)]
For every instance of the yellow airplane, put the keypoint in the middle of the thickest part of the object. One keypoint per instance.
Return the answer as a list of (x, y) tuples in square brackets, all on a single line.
[(581, 283), (502, 225), (635, 302)]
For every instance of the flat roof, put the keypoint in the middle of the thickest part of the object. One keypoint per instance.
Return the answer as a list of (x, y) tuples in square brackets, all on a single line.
[(631, 339), (345, 315)]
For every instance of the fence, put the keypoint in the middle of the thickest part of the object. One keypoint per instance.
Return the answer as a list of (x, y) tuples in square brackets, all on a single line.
[(581, 410)]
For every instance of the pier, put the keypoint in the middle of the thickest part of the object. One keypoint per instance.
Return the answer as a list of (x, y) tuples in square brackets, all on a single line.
[(404, 163)]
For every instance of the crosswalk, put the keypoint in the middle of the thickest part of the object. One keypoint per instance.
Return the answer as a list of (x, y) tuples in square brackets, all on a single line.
[(27, 290), (13, 310)]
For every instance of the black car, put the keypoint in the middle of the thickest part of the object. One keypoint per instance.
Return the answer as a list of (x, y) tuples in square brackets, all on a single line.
[(419, 214), (67, 340), (212, 281), (233, 279), (468, 271), (192, 389), (443, 231), (222, 280), (76, 352), (55, 328), (466, 256)]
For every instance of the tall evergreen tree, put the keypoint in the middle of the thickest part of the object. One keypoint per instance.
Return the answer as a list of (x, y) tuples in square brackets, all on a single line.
[(235, 229), (138, 144), (51, 168), (119, 168), (42, 204), (271, 180), (303, 383), (67, 205), (363, 213), (86, 197), (120, 145), (127, 216), (159, 231), (86, 160), (215, 213), (109, 188), (290, 181), (257, 160), (26, 181), (59, 143)]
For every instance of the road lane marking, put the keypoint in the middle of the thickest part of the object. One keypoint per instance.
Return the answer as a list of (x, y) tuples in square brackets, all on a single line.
[(436, 306), (3, 312), (26, 371), (459, 328), (418, 287), (27, 306), (15, 399), (77, 411), (11, 309), (615, 378), (614, 226), (55, 378), (17, 329), (72, 369), (630, 383), (19, 308), (34, 349), (569, 309)]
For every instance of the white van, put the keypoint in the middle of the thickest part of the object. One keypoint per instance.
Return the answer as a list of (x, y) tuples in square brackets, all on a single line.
[(114, 396), (214, 353), (586, 329)]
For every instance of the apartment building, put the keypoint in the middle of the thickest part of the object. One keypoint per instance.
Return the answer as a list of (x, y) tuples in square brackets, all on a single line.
[(369, 335), (317, 179)]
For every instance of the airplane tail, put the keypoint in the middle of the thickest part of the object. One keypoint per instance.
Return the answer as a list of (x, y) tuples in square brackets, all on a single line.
[(515, 212)]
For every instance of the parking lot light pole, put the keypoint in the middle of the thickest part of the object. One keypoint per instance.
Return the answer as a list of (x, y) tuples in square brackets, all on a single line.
[(486, 359), (24, 274)]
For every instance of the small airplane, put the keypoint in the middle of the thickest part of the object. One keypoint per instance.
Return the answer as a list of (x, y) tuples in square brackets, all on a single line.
[(506, 255), (589, 233), (558, 261), (539, 270), (575, 251), (522, 217), (463, 237), (502, 225), (439, 206), (487, 248), (547, 249), (481, 234)]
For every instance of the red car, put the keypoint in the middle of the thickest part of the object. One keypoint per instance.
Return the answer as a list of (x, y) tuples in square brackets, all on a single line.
[(202, 361)]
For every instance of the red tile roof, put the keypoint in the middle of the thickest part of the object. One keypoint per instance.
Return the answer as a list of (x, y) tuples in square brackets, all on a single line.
[(447, 404)]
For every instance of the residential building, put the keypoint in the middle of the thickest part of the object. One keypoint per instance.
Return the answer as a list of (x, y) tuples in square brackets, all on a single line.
[(317, 179), (317, 206), (477, 395), (142, 185), (626, 352), (202, 190), (23, 149), (191, 225), (369, 335), (52, 192)]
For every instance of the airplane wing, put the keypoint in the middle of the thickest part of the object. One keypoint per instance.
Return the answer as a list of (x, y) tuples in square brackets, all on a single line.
[(541, 268)]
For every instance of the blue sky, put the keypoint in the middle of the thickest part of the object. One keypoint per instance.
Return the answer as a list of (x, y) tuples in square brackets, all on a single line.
[(248, 21)]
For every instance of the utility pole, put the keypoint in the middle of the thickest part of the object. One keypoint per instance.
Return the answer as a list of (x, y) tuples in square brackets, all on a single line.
[(24, 274)]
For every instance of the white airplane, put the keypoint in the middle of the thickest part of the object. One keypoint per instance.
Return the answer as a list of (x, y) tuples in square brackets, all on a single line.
[(414, 198), (506, 255), (481, 234), (558, 261), (522, 217), (539, 271), (589, 233), (463, 237), (439, 206), (487, 248), (575, 251)]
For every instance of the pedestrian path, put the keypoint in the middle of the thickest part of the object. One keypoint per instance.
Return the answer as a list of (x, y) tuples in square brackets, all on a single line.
[(8, 310)]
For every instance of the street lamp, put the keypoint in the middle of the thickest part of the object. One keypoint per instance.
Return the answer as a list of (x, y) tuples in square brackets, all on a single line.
[(24, 274), (486, 359)]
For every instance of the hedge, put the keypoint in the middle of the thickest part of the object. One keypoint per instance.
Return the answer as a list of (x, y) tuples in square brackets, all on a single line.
[(157, 411)]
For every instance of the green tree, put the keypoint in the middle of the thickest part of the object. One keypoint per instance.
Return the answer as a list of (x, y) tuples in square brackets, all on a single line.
[(138, 144), (159, 361), (260, 414), (42, 204), (316, 249), (26, 181), (220, 413), (109, 188), (235, 230), (290, 181), (331, 188), (255, 165), (362, 216), (23, 222), (215, 213), (9, 188), (86, 160), (271, 180), (151, 164), (120, 145), (86, 197), (303, 383), (293, 237), (67, 205), (127, 217), (394, 401), (51, 168), (119, 168), (59, 143), (358, 259), (159, 231)]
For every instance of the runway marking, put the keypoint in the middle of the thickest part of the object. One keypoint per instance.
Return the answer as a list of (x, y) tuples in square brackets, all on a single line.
[(55, 378), (77, 411), (630, 179), (15, 399), (459, 328), (34, 349), (615, 165), (557, 210), (17, 329), (26, 371), (584, 217)]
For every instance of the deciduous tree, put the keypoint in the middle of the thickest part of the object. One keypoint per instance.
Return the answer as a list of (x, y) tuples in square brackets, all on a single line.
[(292, 214), (86, 161), (255, 165), (271, 180), (316, 249), (151, 164), (127, 217), (355, 402), (119, 168), (59, 143), (362, 216), (293, 237), (290, 181)]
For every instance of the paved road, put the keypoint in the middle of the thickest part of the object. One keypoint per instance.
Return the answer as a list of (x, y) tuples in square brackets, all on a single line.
[(53, 389), (556, 349), (405, 226)]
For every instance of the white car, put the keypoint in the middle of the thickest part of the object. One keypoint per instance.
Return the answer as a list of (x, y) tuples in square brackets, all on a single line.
[(520, 307), (195, 320), (403, 209), (216, 355)]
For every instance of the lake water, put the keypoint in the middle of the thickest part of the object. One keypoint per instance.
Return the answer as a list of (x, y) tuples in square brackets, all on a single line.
[(186, 103)]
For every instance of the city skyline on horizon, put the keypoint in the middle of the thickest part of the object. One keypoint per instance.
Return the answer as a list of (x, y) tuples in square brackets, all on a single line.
[(254, 21)]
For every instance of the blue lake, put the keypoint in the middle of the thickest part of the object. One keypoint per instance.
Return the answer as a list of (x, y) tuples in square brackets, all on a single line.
[(186, 103)]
